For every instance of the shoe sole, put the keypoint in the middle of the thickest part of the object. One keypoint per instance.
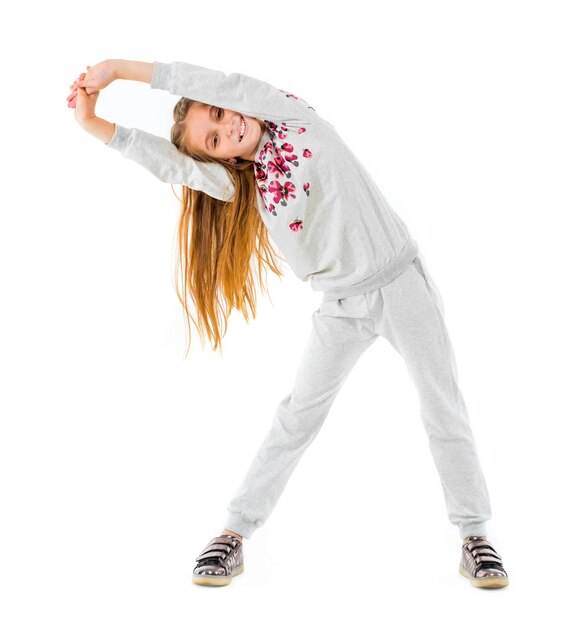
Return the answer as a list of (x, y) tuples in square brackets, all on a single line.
[(490, 582), (216, 580)]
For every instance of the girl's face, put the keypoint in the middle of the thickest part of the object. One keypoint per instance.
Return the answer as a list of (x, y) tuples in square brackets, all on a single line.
[(222, 133)]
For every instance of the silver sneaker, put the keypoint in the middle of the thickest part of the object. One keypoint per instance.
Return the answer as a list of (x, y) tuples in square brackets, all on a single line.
[(219, 561), (481, 564)]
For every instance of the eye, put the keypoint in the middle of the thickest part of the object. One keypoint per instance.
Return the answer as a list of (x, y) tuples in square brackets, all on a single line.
[(215, 139)]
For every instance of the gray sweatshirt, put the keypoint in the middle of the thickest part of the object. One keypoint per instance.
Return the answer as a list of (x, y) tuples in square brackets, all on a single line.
[(321, 207)]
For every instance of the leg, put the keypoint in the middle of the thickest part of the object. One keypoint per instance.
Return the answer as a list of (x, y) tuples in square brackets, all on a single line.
[(342, 331), (409, 312)]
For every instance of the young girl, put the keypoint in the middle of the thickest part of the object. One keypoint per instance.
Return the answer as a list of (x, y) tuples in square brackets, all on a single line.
[(255, 161)]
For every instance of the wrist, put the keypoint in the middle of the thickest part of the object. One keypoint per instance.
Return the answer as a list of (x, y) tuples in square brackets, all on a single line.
[(118, 69), (87, 122)]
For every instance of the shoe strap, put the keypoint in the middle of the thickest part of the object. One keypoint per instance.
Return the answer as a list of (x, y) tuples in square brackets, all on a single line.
[(477, 546), (484, 554), (219, 547)]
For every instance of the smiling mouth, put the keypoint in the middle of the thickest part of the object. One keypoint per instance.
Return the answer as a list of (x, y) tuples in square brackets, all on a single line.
[(242, 128)]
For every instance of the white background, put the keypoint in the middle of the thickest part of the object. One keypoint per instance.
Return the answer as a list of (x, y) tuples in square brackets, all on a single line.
[(118, 456)]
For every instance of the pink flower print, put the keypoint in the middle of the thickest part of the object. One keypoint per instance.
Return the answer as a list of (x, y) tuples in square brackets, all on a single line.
[(280, 131), (271, 209), (301, 130), (306, 188), (260, 173), (278, 167), (307, 153), (292, 158), (282, 192), (272, 127), (265, 150), (296, 225)]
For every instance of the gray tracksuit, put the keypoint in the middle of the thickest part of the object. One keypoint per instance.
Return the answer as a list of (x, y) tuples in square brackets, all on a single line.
[(333, 226)]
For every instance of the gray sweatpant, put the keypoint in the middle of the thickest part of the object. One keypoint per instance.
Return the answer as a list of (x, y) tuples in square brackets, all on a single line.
[(408, 311)]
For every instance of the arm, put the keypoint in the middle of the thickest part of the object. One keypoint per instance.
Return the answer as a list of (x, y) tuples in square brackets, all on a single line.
[(133, 70), (159, 156), (238, 92), (99, 128), (162, 159)]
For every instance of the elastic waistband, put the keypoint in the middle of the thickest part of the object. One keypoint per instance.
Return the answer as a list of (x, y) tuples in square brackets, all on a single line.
[(385, 275)]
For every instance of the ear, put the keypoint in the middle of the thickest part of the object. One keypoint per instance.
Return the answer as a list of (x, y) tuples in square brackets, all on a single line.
[(233, 161)]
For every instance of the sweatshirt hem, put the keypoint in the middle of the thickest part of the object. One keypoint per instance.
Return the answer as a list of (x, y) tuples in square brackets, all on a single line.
[(383, 276)]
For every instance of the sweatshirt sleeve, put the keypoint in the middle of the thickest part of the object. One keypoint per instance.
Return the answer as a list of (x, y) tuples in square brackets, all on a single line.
[(162, 159), (237, 92)]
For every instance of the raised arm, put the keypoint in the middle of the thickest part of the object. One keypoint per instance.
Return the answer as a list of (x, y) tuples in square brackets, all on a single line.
[(159, 156), (238, 92), (162, 159)]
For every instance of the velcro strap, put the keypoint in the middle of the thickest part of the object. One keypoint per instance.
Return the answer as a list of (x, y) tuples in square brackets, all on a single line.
[(494, 566), (224, 550), (489, 559), (220, 544), (485, 552), (212, 554)]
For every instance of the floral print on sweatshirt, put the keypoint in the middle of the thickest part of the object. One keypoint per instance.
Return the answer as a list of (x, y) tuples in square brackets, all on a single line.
[(274, 169)]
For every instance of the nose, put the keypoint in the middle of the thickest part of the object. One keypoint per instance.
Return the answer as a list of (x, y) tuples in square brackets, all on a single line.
[(233, 125)]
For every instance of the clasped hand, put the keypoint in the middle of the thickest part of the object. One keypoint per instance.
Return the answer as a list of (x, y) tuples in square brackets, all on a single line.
[(86, 88)]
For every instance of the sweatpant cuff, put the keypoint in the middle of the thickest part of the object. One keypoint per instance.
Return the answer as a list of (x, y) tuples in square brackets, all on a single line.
[(475, 530), (238, 523)]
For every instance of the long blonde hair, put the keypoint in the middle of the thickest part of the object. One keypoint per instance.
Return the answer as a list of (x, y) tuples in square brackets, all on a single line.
[(217, 243)]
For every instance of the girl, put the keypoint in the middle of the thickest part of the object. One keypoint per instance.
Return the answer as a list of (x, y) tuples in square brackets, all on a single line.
[(255, 161)]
